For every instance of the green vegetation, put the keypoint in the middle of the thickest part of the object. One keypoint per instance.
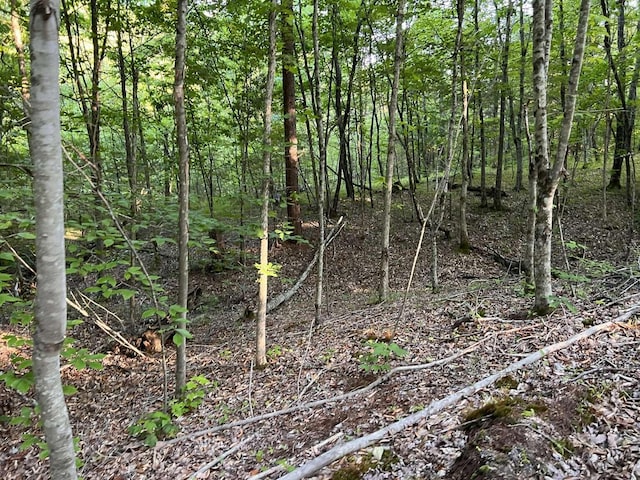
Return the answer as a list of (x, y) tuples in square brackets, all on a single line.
[(377, 359), (159, 425)]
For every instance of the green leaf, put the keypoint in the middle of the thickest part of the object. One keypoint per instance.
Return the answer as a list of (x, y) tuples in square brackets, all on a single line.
[(6, 298), (78, 363), (180, 335), (7, 257), (126, 293), (26, 235), (151, 440), (22, 384), (150, 312), (69, 389), (175, 310)]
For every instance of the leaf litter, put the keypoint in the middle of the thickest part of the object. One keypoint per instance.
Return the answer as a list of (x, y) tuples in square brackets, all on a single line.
[(575, 414)]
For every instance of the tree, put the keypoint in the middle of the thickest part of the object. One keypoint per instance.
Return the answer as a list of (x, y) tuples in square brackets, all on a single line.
[(263, 278), (88, 97), (548, 176), (289, 68), (322, 153), (625, 115), (183, 209), (50, 305), (391, 153), (464, 161), (497, 194)]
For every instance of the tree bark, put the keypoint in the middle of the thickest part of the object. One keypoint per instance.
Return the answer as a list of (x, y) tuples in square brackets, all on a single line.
[(322, 152), (183, 201), (479, 106), (289, 66), (464, 161), (497, 196), (391, 154), (263, 278), (50, 303), (548, 177)]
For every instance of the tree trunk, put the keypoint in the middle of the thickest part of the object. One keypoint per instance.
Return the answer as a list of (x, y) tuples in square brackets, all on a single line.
[(497, 195), (548, 177), (464, 161), (625, 116), (183, 208), (479, 106), (289, 66), (93, 127), (542, 261), (263, 278), (391, 154), (343, 112), (322, 148), (50, 303), (521, 104)]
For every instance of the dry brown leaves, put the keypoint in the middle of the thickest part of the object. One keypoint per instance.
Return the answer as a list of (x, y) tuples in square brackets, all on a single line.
[(591, 391)]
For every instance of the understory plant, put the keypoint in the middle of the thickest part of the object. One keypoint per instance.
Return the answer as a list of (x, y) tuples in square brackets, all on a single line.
[(160, 425), (377, 359)]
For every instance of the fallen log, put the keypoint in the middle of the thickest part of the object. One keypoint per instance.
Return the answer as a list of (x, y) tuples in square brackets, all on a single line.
[(357, 444)]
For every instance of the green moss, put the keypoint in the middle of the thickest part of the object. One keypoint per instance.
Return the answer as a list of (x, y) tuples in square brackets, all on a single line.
[(482, 470), (507, 409), (357, 467), (499, 409), (507, 382)]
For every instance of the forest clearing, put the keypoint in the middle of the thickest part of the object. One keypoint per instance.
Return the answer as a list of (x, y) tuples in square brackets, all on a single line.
[(573, 414)]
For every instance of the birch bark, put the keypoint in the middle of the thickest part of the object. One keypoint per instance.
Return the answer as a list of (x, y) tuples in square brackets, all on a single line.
[(50, 303)]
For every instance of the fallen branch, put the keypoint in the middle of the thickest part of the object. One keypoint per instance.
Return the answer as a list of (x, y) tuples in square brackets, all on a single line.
[(117, 336), (284, 296), (315, 450), (359, 443), (337, 398), (512, 265)]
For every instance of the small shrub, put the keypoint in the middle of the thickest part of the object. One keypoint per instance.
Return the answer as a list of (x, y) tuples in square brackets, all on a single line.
[(377, 359), (154, 426)]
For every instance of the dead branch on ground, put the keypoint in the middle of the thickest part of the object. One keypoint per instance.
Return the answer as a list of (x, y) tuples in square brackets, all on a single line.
[(359, 443), (337, 398), (283, 297)]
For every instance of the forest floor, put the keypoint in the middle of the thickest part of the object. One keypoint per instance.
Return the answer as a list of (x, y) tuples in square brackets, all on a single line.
[(575, 414)]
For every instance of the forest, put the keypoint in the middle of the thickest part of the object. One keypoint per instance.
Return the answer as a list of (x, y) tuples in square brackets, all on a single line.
[(351, 239)]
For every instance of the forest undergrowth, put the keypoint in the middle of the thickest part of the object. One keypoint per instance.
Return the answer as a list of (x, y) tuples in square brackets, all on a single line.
[(573, 414)]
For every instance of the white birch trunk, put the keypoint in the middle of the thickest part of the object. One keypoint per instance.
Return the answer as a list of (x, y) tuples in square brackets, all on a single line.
[(548, 177), (50, 303)]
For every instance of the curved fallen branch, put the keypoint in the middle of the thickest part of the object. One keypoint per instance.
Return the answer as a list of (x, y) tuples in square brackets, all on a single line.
[(359, 443), (284, 296), (337, 398)]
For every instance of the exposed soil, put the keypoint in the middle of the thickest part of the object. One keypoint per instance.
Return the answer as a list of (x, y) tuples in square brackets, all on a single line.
[(575, 414)]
